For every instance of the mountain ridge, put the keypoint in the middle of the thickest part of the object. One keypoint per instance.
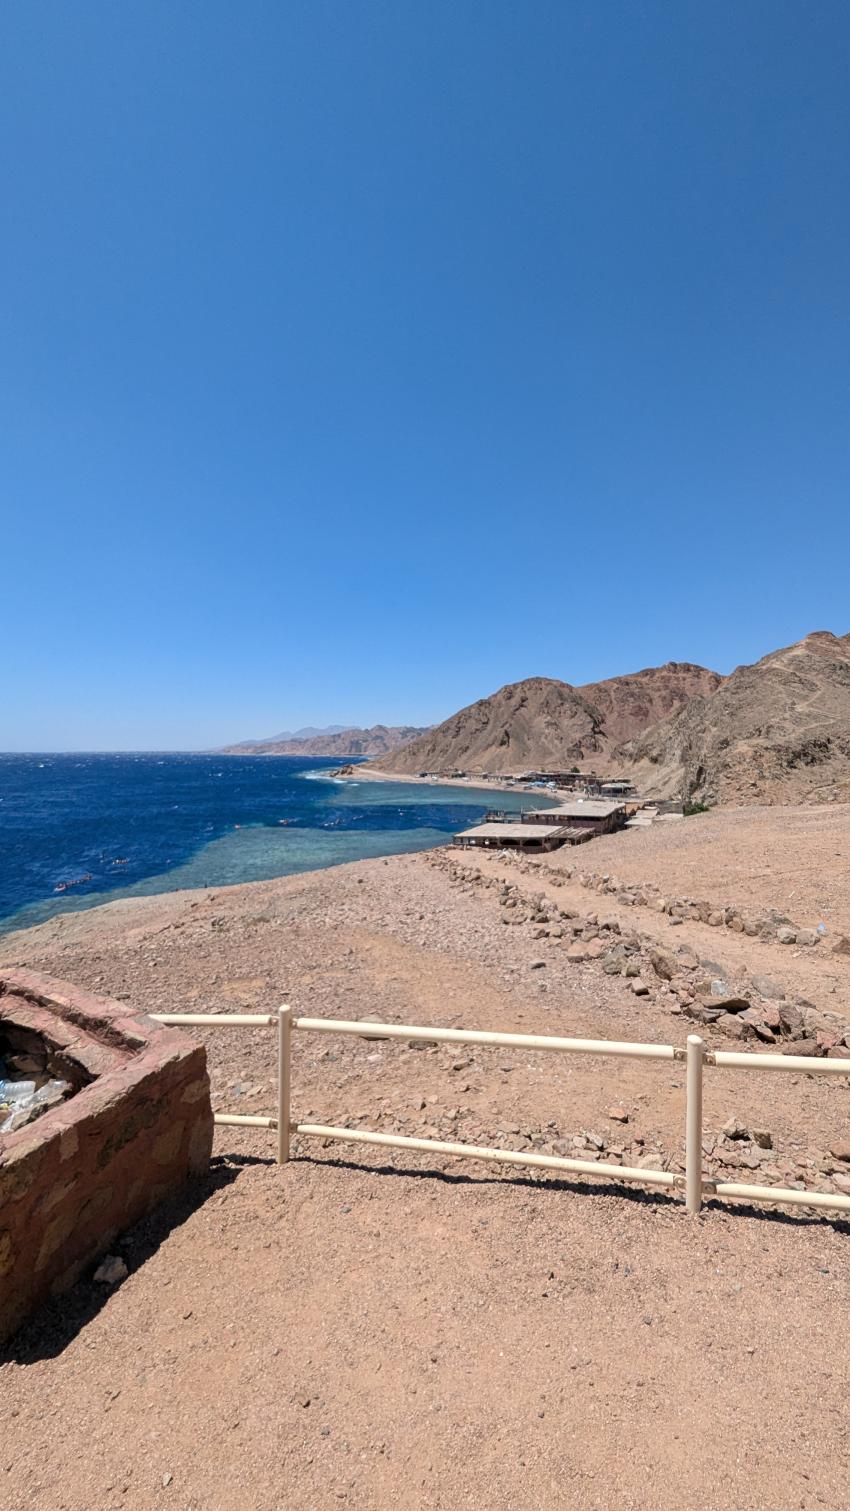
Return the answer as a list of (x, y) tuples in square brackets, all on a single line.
[(545, 723), (777, 730), (380, 739)]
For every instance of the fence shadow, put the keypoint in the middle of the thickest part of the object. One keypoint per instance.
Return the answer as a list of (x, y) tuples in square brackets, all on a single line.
[(49, 1330), (545, 1184)]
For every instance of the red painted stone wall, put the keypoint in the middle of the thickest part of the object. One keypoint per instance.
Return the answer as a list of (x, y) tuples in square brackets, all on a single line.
[(93, 1166)]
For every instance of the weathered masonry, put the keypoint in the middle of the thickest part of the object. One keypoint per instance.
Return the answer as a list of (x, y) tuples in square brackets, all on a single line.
[(133, 1124)]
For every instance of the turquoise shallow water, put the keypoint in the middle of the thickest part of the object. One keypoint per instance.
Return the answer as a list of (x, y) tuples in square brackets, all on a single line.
[(76, 830)]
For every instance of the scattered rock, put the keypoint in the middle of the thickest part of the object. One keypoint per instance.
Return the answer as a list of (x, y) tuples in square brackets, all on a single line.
[(111, 1270), (841, 1150), (663, 965), (785, 935), (791, 1020), (618, 1114), (802, 1047), (725, 1004), (766, 987), (577, 951), (841, 946)]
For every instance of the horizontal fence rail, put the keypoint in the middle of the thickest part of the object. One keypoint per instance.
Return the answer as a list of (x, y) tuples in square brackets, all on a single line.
[(471, 1036), (697, 1058)]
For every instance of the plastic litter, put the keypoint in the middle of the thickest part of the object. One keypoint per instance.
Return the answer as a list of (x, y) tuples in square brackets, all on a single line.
[(19, 1097)]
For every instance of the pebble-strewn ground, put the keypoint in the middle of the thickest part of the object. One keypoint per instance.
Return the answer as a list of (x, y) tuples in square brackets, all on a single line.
[(370, 1327)]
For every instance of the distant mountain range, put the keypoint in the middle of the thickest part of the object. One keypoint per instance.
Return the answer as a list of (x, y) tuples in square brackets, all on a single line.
[(336, 740), (309, 732)]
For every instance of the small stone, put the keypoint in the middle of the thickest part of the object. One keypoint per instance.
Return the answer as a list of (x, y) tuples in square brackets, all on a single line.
[(618, 1114), (802, 1047), (786, 935), (577, 951), (791, 1020), (840, 1150), (663, 965), (841, 946), (735, 1129), (724, 1004), (762, 1137), (538, 965), (639, 987), (111, 1270), (166, 1480)]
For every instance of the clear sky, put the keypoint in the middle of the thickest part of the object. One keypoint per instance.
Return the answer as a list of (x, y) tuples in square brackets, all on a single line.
[(360, 356)]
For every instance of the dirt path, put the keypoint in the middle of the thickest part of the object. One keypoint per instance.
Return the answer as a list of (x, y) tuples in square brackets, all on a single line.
[(370, 1330)]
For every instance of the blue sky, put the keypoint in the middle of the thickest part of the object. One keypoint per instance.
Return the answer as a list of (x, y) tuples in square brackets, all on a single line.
[(359, 357)]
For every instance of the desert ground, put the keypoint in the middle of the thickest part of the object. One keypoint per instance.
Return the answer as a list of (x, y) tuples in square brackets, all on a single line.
[(370, 1327)]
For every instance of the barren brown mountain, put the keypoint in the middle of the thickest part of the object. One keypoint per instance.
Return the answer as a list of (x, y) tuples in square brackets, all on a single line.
[(632, 703), (777, 731), (544, 723), (377, 741)]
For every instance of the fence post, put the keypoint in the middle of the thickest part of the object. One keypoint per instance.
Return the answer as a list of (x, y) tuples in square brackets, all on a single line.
[(284, 1078), (693, 1124)]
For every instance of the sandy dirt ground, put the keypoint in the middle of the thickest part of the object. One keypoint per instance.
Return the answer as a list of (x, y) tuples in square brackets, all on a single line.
[(794, 858), (375, 1328)]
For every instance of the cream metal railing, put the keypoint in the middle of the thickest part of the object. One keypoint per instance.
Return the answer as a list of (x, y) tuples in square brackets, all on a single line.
[(696, 1057)]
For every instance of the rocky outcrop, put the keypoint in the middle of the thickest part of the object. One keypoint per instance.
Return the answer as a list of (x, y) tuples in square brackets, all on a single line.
[(776, 731)]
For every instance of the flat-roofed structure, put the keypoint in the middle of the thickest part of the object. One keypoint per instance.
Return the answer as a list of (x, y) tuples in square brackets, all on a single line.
[(523, 836), (597, 814)]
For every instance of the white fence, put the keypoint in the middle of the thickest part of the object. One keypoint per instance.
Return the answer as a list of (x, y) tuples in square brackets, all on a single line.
[(694, 1183)]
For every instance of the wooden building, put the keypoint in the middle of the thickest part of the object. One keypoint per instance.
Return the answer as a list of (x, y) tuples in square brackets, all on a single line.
[(501, 836), (597, 815)]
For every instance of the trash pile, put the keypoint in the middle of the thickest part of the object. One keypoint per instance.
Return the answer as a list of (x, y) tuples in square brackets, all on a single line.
[(25, 1094)]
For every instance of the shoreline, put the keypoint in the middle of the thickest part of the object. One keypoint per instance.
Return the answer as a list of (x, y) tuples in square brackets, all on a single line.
[(478, 784)]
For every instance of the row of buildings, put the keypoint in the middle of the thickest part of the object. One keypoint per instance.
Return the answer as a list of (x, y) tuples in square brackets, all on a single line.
[(542, 829)]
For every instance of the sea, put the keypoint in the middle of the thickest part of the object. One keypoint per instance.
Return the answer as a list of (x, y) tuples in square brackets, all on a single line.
[(78, 830)]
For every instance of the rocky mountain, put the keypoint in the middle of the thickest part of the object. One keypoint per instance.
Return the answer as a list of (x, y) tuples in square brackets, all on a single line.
[(777, 731), (547, 724), (632, 703), (380, 740)]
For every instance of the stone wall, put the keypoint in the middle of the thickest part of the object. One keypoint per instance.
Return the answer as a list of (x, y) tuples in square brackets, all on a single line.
[(93, 1166)]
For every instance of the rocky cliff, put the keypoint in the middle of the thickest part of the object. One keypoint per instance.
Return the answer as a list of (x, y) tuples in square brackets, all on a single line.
[(776, 731)]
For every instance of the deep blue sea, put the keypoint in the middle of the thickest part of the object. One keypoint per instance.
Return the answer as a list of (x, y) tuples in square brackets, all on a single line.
[(77, 830)]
